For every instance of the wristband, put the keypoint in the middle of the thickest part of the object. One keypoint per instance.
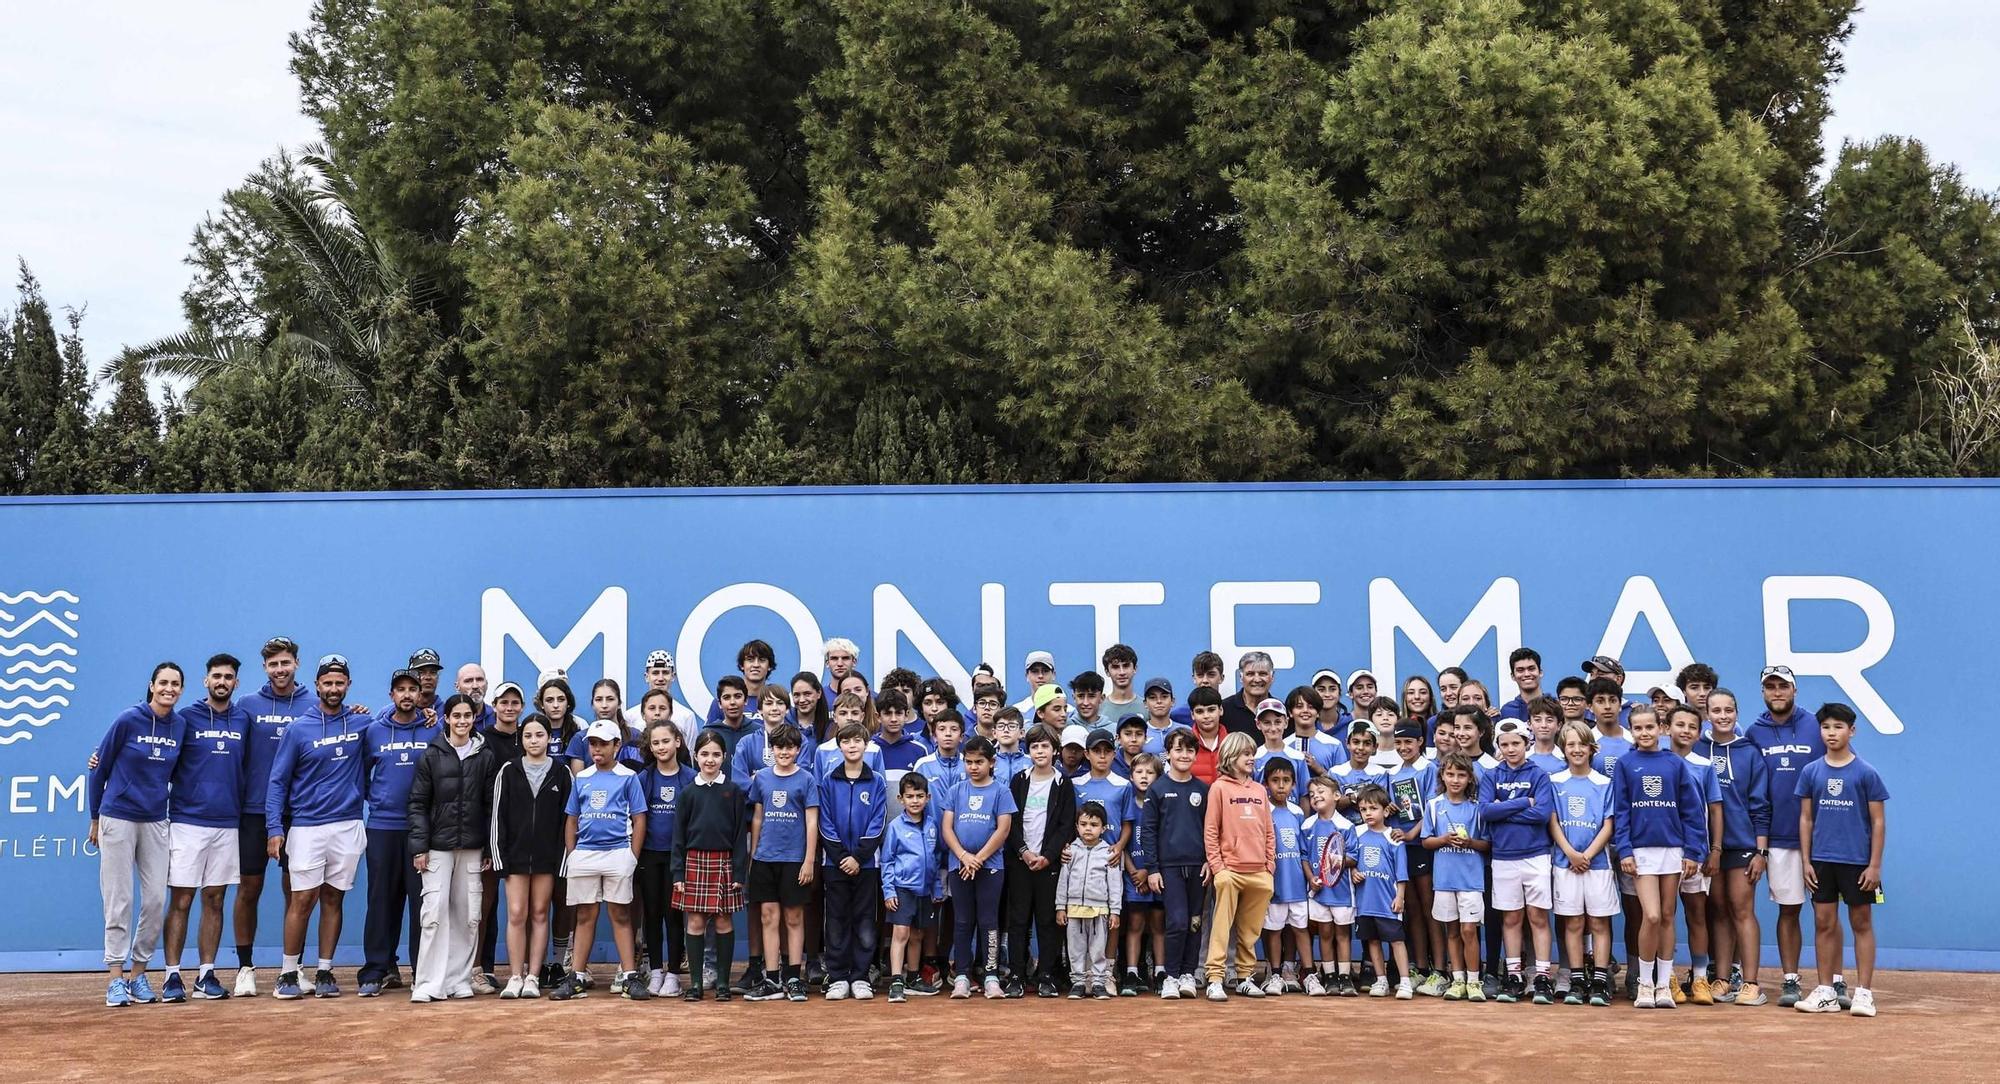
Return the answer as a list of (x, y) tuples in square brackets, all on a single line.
[(1763, 852)]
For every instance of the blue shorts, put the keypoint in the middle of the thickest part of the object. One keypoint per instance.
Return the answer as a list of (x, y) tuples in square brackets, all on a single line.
[(912, 909)]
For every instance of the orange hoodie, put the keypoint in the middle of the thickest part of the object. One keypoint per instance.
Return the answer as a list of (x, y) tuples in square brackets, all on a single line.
[(1237, 833)]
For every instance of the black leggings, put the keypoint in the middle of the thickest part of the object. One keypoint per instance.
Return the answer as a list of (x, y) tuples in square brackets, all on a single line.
[(661, 926)]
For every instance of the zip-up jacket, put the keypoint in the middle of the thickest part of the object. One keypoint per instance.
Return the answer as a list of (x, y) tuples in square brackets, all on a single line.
[(1174, 824), (663, 797), (754, 753), (902, 755), (1746, 790), (912, 855), (1787, 747), (1655, 803), (712, 817), (451, 799), (208, 781), (527, 829), (390, 752), (1238, 834), (1058, 829), (852, 815), (269, 715), (135, 766), (316, 778), (1089, 879), (1517, 803)]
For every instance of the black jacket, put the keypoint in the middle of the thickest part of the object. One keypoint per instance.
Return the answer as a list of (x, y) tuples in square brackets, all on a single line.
[(528, 828), (451, 801), (1061, 827)]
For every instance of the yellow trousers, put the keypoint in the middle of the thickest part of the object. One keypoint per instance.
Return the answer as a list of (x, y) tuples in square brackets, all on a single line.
[(1240, 902)]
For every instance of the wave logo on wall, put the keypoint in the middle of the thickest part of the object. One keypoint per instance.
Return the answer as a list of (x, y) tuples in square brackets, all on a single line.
[(37, 661)]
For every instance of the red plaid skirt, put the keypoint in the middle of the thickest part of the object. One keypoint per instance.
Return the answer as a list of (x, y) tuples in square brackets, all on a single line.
[(706, 885)]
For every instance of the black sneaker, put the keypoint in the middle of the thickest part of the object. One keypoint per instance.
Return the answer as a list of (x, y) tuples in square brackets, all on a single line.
[(570, 986), (692, 993), (722, 994), (1544, 990), (1130, 987), (795, 990), (896, 992), (1840, 992), (634, 988), (763, 989), (1600, 991), (1510, 990), (753, 974), (1014, 988), (1076, 991), (922, 987), (1099, 992), (1579, 986), (394, 979), (1047, 988)]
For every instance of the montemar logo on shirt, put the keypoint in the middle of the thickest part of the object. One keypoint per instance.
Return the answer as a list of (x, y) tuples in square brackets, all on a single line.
[(667, 795), (1194, 799), (599, 798), (1578, 808), (1835, 785), (975, 802), (778, 799), (1653, 786)]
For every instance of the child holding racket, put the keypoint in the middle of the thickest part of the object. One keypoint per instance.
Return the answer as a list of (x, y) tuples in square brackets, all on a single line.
[(1331, 906)]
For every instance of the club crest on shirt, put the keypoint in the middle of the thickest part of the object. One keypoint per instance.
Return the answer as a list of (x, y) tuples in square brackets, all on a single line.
[(1577, 806), (778, 799), (1834, 786), (1654, 786), (864, 797), (1194, 799), (1371, 855), (667, 795), (975, 802), (599, 798)]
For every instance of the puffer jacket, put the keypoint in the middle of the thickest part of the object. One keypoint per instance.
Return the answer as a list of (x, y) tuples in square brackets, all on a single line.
[(451, 799), (1089, 879)]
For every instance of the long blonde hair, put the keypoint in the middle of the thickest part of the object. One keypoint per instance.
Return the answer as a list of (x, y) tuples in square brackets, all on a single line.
[(1235, 748)]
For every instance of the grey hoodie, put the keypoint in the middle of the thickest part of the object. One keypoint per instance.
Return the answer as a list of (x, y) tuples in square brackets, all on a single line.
[(1090, 880)]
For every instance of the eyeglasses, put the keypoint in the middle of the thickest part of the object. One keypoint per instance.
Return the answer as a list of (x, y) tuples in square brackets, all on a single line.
[(1569, 699)]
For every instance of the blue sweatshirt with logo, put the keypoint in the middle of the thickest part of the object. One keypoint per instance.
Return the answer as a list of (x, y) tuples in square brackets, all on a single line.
[(1788, 746), (317, 776), (1517, 804), (390, 753), (1174, 819), (852, 816), (663, 797), (135, 766), (208, 782), (912, 856), (1656, 802), (269, 715), (1746, 790)]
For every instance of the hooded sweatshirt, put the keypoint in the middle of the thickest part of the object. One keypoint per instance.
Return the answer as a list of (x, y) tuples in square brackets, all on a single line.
[(1237, 834), (1788, 746), (269, 715), (316, 778), (912, 856), (135, 764), (208, 781), (1746, 789), (1517, 804), (1089, 879), (390, 753)]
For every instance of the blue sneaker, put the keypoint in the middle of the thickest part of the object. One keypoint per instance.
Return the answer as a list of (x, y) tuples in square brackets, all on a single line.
[(210, 988), (288, 987), (117, 995), (371, 988), (142, 991), (324, 986), (173, 991)]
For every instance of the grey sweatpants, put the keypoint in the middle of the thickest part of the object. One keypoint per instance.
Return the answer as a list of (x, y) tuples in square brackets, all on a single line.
[(123, 846), (1088, 962)]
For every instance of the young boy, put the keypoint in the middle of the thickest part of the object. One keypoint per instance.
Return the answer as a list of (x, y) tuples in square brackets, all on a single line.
[(733, 721), (1517, 803), (1071, 753), (1573, 700), (1087, 690), (1585, 891), (1159, 702), (899, 749), (604, 827), (1695, 681), (1331, 908), (1290, 887), (1333, 715), (1205, 713), (1361, 689), (1319, 749), (1131, 745), (1455, 834), (1121, 664), (987, 703), (978, 815), (1683, 730), (852, 813), (1047, 802), (1544, 719), (912, 884), (1089, 894), (945, 768), (754, 661), (1207, 673), (1173, 856), (934, 696), (1383, 716), (1356, 773), (1607, 701), (1380, 871), (1142, 905), (754, 753), (1113, 793), (1411, 785), (1273, 724), (1661, 831), (1843, 827), (1008, 756), (784, 846)]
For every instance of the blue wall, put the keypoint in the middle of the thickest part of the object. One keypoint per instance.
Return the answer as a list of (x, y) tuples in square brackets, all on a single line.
[(1882, 594)]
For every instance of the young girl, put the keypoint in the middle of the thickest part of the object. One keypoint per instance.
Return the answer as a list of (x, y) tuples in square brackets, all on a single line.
[(605, 703), (558, 706), (528, 799), (1331, 908), (1333, 716), (664, 780), (1449, 680), (711, 859), (1242, 853), (856, 686), (1586, 894), (1660, 828), (977, 816), (1456, 835), (1142, 906), (1683, 729), (1746, 836), (451, 803), (809, 707)]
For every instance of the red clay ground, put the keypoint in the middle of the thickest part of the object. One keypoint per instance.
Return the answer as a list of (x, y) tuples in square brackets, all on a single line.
[(1934, 1029)]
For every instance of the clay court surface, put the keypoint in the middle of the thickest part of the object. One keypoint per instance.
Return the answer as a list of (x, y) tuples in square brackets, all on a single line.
[(1934, 1029)]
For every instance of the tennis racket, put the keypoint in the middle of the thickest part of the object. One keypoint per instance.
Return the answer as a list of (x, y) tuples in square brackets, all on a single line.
[(1332, 857)]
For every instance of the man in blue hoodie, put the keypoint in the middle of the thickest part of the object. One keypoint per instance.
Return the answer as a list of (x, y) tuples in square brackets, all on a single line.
[(391, 747), (314, 803), (205, 807), (271, 709), (1789, 738)]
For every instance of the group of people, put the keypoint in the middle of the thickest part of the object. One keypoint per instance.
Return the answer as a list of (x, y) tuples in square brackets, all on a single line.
[(1095, 841)]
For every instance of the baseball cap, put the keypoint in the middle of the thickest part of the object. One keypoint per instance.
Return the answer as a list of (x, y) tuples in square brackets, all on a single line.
[(330, 664), (1039, 658), (1099, 737), (400, 675), (1325, 673), (1076, 734), (1412, 730), (659, 657), (1363, 673), (505, 688), (1270, 704), (603, 730), (1507, 726), (1782, 673), (1132, 718), (426, 658), (558, 674), (1603, 664), (1045, 694), (1158, 684)]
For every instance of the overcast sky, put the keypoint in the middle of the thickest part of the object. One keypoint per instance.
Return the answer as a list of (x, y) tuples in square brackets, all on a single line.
[(124, 121)]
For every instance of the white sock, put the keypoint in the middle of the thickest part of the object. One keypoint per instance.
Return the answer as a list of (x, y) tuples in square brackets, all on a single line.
[(291, 963), (326, 963), (1838, 978), (173, 969), (207, 967), (1791, 976), (1666, 972), (1646, 971)]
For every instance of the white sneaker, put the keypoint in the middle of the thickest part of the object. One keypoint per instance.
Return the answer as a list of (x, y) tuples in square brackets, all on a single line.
[(1274, 986), (483, 985), (1170, 989), (862, 991), (531, 986), (1864, 1003), (994, 991), (1249, 988), (654, 980), (838, 991), (1315, 988), (1646, 997), (512, 990), (246, 982), (1381, 987), (670, 984), (1404, 991), (1190, 989), (1216, 992), (1822, 999), (961, 987)]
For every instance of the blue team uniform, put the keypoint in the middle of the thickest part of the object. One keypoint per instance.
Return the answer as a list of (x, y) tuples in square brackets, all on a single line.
[(1843, 823), (1454, 870), (1382, 866), (604, 803), (1288, 880), (784, 800)]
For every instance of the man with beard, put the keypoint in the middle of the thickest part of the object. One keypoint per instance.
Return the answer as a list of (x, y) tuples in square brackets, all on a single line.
[(314, 802), (271, 709), (204, 812), (391, 748)]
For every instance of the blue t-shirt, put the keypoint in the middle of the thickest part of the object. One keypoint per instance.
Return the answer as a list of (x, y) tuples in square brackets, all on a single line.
[(975, 811), (1609, 749), (1138, 848), (1382, 866), (1582, 803), (1317, 831), (603, 804), (1549, 762), (1843, 825), (1300, 773), (1455, 870), (1288, 881), (784, 800), (1705, 782), (1351, 779), (1115, 794), (663, 795), (1320, 749)]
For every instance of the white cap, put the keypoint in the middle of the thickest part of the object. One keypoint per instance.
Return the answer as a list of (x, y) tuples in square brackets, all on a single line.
[(603, 730), (1334, 674), (660, 657), (1270, 704), (1782, 673), (1041, 658), (1359, 674), (1076, 734)]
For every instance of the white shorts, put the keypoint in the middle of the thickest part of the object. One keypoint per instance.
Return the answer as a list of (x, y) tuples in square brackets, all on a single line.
[(1787, 877), (595, 876), (1656, 861), (325, 854), (1458, 907), (199, 857), (1320, 912), (1593, 893), (1696, 885), (1521, 881), (1280, 915)]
